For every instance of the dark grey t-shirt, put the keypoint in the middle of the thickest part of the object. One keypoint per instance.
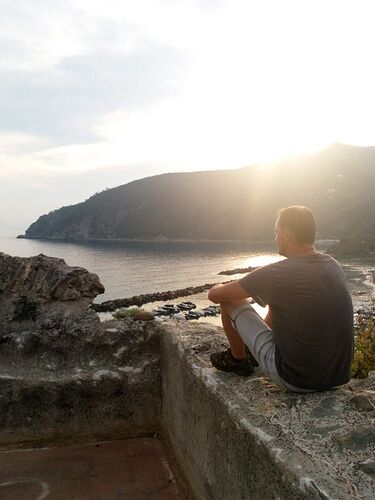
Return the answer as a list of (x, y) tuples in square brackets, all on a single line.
[(312, 318)]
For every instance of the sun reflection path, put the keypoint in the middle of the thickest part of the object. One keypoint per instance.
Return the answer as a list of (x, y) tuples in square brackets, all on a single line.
[(262, 260)]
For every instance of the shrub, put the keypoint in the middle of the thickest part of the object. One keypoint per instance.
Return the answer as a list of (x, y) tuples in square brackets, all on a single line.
[(126, 312), (364, 345)]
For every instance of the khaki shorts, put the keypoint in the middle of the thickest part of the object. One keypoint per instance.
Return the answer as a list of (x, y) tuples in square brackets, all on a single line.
[(258, 337)]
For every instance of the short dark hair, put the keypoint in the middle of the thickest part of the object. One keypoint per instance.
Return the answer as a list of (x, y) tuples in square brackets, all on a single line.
[(300, 221)]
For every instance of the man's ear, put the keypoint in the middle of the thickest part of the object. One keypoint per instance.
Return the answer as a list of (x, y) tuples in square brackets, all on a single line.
[(288, 235)]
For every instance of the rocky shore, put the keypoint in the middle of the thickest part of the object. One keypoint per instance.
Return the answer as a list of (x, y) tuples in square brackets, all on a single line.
[(351, 247), (238, 270), (139, 300)]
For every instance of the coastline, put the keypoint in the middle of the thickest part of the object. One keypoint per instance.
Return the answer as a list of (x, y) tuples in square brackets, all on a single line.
[(322, 241), (150, 240)]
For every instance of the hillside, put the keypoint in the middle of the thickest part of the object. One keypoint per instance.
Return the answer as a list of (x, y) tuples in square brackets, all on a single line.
[(338, 183)]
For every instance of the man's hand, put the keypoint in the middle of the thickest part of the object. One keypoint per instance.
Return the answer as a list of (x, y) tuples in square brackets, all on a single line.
[(227, 292)]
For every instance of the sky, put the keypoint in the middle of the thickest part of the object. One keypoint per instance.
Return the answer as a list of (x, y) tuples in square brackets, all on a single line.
[(95, 93)]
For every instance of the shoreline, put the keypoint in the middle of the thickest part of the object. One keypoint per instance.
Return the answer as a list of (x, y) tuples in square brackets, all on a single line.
[(149, 240), (164, 240)]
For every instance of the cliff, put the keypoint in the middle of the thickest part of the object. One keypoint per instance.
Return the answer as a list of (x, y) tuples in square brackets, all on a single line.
[(337, 183)]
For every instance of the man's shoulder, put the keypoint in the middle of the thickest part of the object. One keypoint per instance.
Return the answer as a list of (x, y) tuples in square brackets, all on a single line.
[(315, 259), (299, 262), (285, 267)]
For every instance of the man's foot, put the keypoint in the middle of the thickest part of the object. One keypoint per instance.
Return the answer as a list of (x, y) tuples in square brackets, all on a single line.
[(250, 357), (225, 362)]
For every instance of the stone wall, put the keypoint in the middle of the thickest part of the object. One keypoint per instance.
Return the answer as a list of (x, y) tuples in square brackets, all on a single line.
[(244, 438)]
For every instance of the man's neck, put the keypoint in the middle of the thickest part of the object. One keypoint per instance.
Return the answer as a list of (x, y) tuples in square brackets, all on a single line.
[(302, 251)]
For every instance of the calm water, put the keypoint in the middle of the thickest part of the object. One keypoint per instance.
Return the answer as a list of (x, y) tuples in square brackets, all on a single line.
[(132, 268)]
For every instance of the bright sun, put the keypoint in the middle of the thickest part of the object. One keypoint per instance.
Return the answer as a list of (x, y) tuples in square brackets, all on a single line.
[(261, 84)]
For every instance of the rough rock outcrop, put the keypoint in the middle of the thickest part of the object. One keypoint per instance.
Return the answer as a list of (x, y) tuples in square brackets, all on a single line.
[(33, 288), (63, 372)]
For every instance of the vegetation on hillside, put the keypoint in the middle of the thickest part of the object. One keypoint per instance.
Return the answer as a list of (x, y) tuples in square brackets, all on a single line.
[(364, 349)]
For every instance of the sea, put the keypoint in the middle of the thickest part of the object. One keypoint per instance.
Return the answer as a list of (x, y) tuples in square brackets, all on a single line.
[(128, 268)]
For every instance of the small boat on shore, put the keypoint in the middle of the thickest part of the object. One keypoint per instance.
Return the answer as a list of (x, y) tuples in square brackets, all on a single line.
[(186, 306)]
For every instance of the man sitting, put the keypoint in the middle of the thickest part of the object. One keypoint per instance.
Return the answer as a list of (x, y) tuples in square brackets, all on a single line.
[(305, 343)]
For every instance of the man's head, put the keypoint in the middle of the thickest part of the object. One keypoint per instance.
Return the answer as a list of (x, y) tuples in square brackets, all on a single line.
[(294, 230)]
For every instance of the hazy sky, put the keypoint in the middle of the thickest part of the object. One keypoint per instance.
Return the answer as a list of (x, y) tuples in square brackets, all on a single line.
[(96, 93)]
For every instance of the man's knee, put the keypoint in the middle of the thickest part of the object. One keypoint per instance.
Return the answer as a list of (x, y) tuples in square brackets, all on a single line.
[(228, 307)]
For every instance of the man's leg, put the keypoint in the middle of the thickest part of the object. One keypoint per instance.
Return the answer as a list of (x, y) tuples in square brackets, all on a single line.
[(234, 359), (250, 337), (237, 345), (258, 336)]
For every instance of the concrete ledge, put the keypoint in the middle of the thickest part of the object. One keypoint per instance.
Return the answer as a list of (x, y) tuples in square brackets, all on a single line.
[(246, 439)]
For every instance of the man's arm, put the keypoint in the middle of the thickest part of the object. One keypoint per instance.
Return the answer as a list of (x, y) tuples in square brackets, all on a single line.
[(228, 292)]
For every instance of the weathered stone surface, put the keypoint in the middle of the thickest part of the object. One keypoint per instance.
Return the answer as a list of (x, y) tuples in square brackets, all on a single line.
[(289, 400), (328, 407), (273, 447), (325, 430), (362, 403), (358, 439), (29, 285), (367, 466)]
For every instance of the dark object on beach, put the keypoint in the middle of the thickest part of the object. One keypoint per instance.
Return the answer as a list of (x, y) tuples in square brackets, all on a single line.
[(171, 308), (192, 315), (211, 310), (166, 310), (186, 306), (161, 311), (239, 270)]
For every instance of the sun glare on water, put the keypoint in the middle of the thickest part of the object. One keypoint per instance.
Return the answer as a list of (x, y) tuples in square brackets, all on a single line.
[(261, 260)]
